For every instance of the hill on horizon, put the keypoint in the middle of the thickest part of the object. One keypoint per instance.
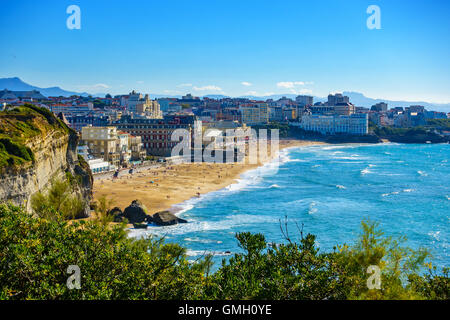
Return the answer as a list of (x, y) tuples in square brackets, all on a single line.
[(16, 84)]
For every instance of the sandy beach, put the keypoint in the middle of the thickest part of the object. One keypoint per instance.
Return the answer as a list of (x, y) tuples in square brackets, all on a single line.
[(160, 188)]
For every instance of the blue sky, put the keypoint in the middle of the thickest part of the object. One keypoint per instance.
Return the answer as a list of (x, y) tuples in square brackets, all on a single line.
[(231, 47)]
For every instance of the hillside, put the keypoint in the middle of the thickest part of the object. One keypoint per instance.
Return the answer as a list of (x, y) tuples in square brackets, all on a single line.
[(36, 148)]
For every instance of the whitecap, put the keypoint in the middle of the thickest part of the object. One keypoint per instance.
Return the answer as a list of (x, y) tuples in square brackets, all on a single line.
[(312, 208), (196, 253), (340, 186), (435, 235), (390, 193), (202, 240), (422, 173)]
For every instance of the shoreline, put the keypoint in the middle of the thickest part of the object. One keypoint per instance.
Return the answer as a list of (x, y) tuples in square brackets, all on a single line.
[(168, 187)]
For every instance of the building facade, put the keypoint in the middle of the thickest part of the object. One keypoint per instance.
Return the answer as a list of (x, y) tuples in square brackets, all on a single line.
[(355, 124)]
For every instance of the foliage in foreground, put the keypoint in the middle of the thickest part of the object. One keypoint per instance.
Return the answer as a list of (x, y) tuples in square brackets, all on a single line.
[(35, 253), (59, 200)]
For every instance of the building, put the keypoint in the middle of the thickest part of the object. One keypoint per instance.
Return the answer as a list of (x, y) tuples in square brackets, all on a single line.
[(344, 108), (276, 114), (149, 108), (290, 114), (131, 101), (379, 107), (254, 113), (337, 98), (136, 147), (355, 124), (156, 134), (320, 109), (102, 143), (99, 166), (190, 100), (303, 101)]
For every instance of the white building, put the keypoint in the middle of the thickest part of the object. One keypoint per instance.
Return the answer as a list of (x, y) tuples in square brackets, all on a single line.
[(98, 166), (355, 124)]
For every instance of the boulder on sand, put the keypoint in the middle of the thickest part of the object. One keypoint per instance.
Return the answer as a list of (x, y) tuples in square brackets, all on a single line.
[(117, 214), (166, 218), (136, 212)]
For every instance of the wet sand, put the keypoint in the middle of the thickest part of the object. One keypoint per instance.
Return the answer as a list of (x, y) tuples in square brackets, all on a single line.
[(161, 188)]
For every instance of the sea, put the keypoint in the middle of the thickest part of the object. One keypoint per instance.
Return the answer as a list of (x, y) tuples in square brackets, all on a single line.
[(325, 190)]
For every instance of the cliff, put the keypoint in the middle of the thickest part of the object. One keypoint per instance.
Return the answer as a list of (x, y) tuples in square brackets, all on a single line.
[(35, 148)]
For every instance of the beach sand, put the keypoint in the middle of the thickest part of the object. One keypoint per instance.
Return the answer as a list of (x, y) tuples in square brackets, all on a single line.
[(160, 188)]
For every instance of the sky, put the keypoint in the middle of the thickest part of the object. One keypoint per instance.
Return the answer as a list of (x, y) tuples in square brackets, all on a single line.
[(231, 47)]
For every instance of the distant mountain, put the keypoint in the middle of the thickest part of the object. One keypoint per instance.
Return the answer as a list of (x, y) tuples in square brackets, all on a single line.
[(359, 99), (16, 84)]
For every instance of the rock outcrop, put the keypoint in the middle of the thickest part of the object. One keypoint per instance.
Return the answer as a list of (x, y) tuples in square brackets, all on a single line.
[(117, 214), (52, 155), (166, 218), (136, 212)]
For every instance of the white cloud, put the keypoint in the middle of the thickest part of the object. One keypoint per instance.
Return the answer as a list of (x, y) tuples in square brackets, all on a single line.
[(208, 88), (140, 82), (94, 87), (245, 83), (291, 84), (185, 85)]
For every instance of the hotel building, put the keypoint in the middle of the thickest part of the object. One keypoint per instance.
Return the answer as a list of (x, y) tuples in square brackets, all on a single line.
[(355, 124), (156, 134)]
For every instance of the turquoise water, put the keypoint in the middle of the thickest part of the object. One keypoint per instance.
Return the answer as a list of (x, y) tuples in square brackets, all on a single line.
[(328, 189)]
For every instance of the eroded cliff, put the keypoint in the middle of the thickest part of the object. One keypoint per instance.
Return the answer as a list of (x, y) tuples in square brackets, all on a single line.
[(35, 148)]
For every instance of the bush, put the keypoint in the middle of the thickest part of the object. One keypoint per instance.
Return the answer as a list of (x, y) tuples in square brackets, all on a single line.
[(35, 253), (58, 201)]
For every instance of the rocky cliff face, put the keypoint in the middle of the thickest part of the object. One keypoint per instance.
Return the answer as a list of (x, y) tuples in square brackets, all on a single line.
[(54, 157)]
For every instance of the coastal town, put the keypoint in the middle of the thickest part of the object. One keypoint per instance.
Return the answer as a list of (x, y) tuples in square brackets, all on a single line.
[(228, 158), (127, 130)]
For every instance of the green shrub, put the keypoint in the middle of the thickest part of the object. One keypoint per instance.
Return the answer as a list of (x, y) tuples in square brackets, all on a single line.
[(35, 253), (57, 201)]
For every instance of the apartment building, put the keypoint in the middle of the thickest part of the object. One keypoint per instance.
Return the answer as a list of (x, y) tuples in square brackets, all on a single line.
[(254, 113), (355, 124), (303, 101), (102, 143)]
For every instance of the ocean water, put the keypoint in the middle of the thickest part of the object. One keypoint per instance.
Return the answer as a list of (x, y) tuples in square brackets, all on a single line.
[(329, 190)]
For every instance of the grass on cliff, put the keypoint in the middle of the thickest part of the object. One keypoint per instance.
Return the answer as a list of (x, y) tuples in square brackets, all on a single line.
[(20, 124), (36, 252)]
